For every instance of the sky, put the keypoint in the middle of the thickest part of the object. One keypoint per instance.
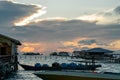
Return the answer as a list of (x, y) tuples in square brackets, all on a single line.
[(61, 25)]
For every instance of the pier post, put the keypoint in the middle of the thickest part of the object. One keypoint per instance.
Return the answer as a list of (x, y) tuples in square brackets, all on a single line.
[(16, 63), (93, 60)]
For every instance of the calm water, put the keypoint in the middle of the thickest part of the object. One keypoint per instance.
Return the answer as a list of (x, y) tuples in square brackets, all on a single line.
[(31, 60)]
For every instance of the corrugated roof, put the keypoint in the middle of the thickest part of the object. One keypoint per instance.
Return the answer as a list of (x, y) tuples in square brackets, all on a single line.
[(13, 40), (99, 50)]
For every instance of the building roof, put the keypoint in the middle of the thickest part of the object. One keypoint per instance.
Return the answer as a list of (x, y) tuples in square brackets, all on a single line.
[(99, 50), (13, 40)]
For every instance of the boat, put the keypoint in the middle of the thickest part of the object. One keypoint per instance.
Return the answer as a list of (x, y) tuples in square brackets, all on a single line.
[(56, 66), (75, 75)]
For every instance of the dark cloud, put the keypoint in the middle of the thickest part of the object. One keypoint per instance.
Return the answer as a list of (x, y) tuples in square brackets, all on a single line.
[(108, 32), (114, 12), (117, 10), (10, 11), (110, 16), (50, 31), (87, 42), (65, 31)]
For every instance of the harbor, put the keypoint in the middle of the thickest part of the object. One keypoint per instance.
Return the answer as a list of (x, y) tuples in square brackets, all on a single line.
[(22, 74), (46, 59), (32, 59)]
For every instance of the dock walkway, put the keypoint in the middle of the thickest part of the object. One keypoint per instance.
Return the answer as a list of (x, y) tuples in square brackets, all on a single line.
[(23, 75)]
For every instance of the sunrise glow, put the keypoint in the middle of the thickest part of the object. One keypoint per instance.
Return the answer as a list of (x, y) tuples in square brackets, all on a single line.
[(27, 49), (115, 45)]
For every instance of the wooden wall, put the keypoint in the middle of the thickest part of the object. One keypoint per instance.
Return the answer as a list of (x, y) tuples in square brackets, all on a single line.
[(5, 49)]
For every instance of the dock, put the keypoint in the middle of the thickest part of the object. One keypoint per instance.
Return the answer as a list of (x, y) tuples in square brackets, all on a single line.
[(23, 75)]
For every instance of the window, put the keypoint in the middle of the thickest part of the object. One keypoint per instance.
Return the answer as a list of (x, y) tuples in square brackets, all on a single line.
[(3, 50)]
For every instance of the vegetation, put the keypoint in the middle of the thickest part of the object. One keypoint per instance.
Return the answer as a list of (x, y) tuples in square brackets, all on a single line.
[(31, 53)]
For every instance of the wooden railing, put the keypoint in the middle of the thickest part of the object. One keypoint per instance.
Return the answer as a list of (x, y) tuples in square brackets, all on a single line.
[(5, 58)]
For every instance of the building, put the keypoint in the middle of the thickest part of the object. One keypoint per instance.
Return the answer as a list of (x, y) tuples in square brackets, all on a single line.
[(79, 53), (53, 54), (97, 53), (8, 55), (63, 54)]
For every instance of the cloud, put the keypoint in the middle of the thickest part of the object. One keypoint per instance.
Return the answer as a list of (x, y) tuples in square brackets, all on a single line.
[(43, 47), (26, 20), (63, 33), (115, 44), (11, 11), (55, 30), (27, 49), (67, 30), (110, 16), (31, 47), (58, 33), (84, 43), (87, 42), (117, 10)]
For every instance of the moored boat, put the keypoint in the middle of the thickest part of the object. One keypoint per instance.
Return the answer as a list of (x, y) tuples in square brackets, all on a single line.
[(57, 66), (74, 75)]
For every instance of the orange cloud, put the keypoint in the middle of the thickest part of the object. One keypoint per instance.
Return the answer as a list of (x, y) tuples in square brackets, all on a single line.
[(115, 45), (73, 42), (41, 47), (68, 46), (70, 43), (27, 49), (31, 47)]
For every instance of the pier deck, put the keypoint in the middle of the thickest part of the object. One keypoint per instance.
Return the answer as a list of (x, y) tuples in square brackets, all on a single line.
[(23, 75)]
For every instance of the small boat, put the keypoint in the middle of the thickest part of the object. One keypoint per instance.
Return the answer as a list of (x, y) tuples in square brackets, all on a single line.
[(74, 75), (56, 66), (27, 67)]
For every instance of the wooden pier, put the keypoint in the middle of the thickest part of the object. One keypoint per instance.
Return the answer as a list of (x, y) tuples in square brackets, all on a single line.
[(114, 59), (23, 75), (7, 65)]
